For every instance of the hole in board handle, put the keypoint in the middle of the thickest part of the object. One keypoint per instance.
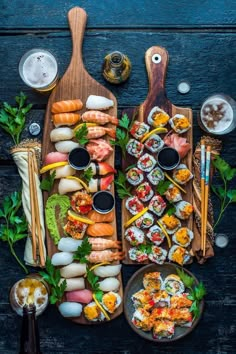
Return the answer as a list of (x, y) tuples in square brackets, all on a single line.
[(156, 58)]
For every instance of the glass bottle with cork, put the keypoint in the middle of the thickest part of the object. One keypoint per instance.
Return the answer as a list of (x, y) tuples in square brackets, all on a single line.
[(116, 67)]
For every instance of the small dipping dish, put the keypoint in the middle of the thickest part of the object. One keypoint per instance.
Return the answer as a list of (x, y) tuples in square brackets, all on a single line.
[(103, 202), (168, 158), (79, 158)]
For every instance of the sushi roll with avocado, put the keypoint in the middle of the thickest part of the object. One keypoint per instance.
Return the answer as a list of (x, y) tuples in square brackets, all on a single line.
[(139, 129), (173, 285), (152, 281), (161, 299), (157, 205), (183, 210), (179, 255), (142, 319), (163, 329), (183, 237), (111, 301), (144, 192), (157, 255), (170, 223), (134, 236), (157, 117), (134, 205), (182, 174), (173, 194), (155, 176), (145, 221), (138, 255), (146, 163), (93, 313), (134, 176), (156, 235), (154, 143), (180, 124), (135, 148), (143, 299)]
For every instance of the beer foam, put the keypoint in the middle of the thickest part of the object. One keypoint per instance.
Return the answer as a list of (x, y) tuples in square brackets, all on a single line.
[(211, 109)]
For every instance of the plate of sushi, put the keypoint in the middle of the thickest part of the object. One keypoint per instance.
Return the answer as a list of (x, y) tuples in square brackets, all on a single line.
[(157, 304)]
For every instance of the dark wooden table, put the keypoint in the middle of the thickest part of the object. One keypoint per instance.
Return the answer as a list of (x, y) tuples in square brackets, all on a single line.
[(201, 41)]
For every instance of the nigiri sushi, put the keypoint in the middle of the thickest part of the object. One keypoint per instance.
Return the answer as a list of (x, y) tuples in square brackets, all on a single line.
[(97, 132), (100, 229), (66, 146), (109, 284), (68, 244), (108, 270), (74, 284), (68, 185), (67, 106), (100, 243), (70, 309), (97, 217), (59, 134), (62, 258), (99, 102), (99, 118), (84, 296), (100, 184), (63, 171), (73, 270), (53, 157), (104, 256), (101, 168), (65, 119), (99, 149)]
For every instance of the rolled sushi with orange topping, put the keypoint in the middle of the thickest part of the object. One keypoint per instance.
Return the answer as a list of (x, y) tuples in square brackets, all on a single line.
[(111, 301), (134, 205), (139, 129), (157, 255), (163, 329), (179, 255), (182, 174), (157, 117), (145, 221), (182, 317), (180, 124), (157, 205), (134, 236), (146, 162), (183, 237), (93, 313), (156, 235), (161, 299), (183, 210), (134, 148), (134, 176), (180, 301), (173, 285), (142, 319), (143, 298), (152, 281), (144, 192), (155, 176), (170, 223), (138, 255), (173, 194)]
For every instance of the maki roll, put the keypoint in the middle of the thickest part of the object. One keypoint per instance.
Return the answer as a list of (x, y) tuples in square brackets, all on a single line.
[(157, 205), (142, 319), (155, 176), (182, 174), (93, 313), (134, 205), (145, 221), (146, 162), (144, 192), (152, 281), (179, 255), (156, 235), (180, 123), (143, 299), (134, 236), (183, 237), (134, 176), (161, 313), (137, 255), (161, 299), (139, 129), (173, 193), (157, 117), (170, 223), (182, 317), (163, 329), (173, 285), (158, 255), (154, 143), (183, 210), (134, 148), (111, 301), (180, 301)]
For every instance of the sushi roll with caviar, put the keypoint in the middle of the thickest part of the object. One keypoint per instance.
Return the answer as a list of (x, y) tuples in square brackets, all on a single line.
[(161, 299), (111, 301), (142, 320), (183, 237), (183, 210), (134, 236), (152, 281), (173, 194), (182, 174), (157, 205), (170, 223), (179, 255), (157, 117), (93, 313), (144, 192), (180, 124), (182, 317), (145, 221), (146, 163), (134, 205), (154, 143), (156, 235), (139, 129), (163, 329), (134, 176), (155, 176), (180, 301), (161, 313), (135, 148), (173, 285), (137, 255), (157, 255), (143, 299)]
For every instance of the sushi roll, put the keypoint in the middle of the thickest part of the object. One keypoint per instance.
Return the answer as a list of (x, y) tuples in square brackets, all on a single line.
[(183, 237), (144, 192), (173, 193), (142, 320), (170, 223), (93, 313), (180, 301), (145, 221), (173, 285), (155, 176), (182, 174), (157, 205), (161, 299), (134, 236), (183, 210), (81, 202), (157, 117), (161, 313), (163, 329), (146, 163), (111, 301), (180, 123), (158, 255), (139, 129), (137, 255), (179, 255), (135, 148), (154, 143), (134, 205), (156, 235), (134, 176), (75, 228), (152, 281), (182, 317), (143, 299)]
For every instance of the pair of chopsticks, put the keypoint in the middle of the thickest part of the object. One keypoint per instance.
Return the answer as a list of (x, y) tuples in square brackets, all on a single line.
[(205, 177)]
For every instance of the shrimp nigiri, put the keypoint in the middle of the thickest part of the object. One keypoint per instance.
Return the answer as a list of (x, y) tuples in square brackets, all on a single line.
[(100, 184), (99, 118), (66, 106), (104, 256), (97, 132), (65, 119), (101, 168), (100, 244), (100, 229)]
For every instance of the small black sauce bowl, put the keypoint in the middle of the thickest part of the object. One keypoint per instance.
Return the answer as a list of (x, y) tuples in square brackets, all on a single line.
[(102, 197), (165, 154), (76, 157)]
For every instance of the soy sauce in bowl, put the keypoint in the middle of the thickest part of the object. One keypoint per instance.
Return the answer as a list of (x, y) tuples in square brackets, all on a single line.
[(79, 158), (168, 158), (103, 202)]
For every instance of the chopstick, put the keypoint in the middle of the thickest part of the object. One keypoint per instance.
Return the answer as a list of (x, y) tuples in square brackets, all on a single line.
[(33, 226), (203, 162), (206, 195)]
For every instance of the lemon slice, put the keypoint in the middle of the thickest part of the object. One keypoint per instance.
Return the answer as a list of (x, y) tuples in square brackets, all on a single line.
[(175, 183), (80, 218), (166, 234), (81, 124), (80, 181), (158, 130), (101, 308), (98, 265), (53, 165), (135, 217)]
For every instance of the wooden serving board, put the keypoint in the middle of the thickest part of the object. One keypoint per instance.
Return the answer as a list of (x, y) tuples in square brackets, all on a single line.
[(76, 83), (156, 59)]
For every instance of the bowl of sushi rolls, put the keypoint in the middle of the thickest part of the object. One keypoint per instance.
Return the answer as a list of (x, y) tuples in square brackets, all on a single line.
[(157, 304)]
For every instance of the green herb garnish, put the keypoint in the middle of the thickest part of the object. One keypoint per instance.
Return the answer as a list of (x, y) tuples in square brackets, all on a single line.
[(129, 167), (121, 188), (93, 281), (122, 135), (47, 183), (163, 186), (145, 247), (124, 122), (83, 250), (87, 174), (81, 134)]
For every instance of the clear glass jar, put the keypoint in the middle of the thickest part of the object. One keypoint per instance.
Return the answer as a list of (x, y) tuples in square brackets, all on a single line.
[(116, 67)]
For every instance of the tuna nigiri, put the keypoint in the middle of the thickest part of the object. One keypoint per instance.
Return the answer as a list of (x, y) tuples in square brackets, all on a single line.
[(65, 119), (67, 106), (99, 149), (100, 184), (98, 102), (100, 229), (101, 168), (99, 118), (83, 296), (97, 217), (55, 156), (58, 134)]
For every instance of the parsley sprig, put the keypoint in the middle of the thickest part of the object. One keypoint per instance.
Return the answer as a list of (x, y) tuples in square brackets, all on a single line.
[(87, 174), (47, 183), (122, 135), (145, 247), (83, 250), (81, 134), (93, 281), (163, 186), (121, 188)]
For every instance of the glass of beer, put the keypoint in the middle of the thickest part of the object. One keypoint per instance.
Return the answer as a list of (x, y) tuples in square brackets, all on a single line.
[(39, 70)]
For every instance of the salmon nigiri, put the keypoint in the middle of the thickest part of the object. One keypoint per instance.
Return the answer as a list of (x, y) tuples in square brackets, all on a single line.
[(66, 106), (100, 184), (65, 119), (98, 217), (100, 229)]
